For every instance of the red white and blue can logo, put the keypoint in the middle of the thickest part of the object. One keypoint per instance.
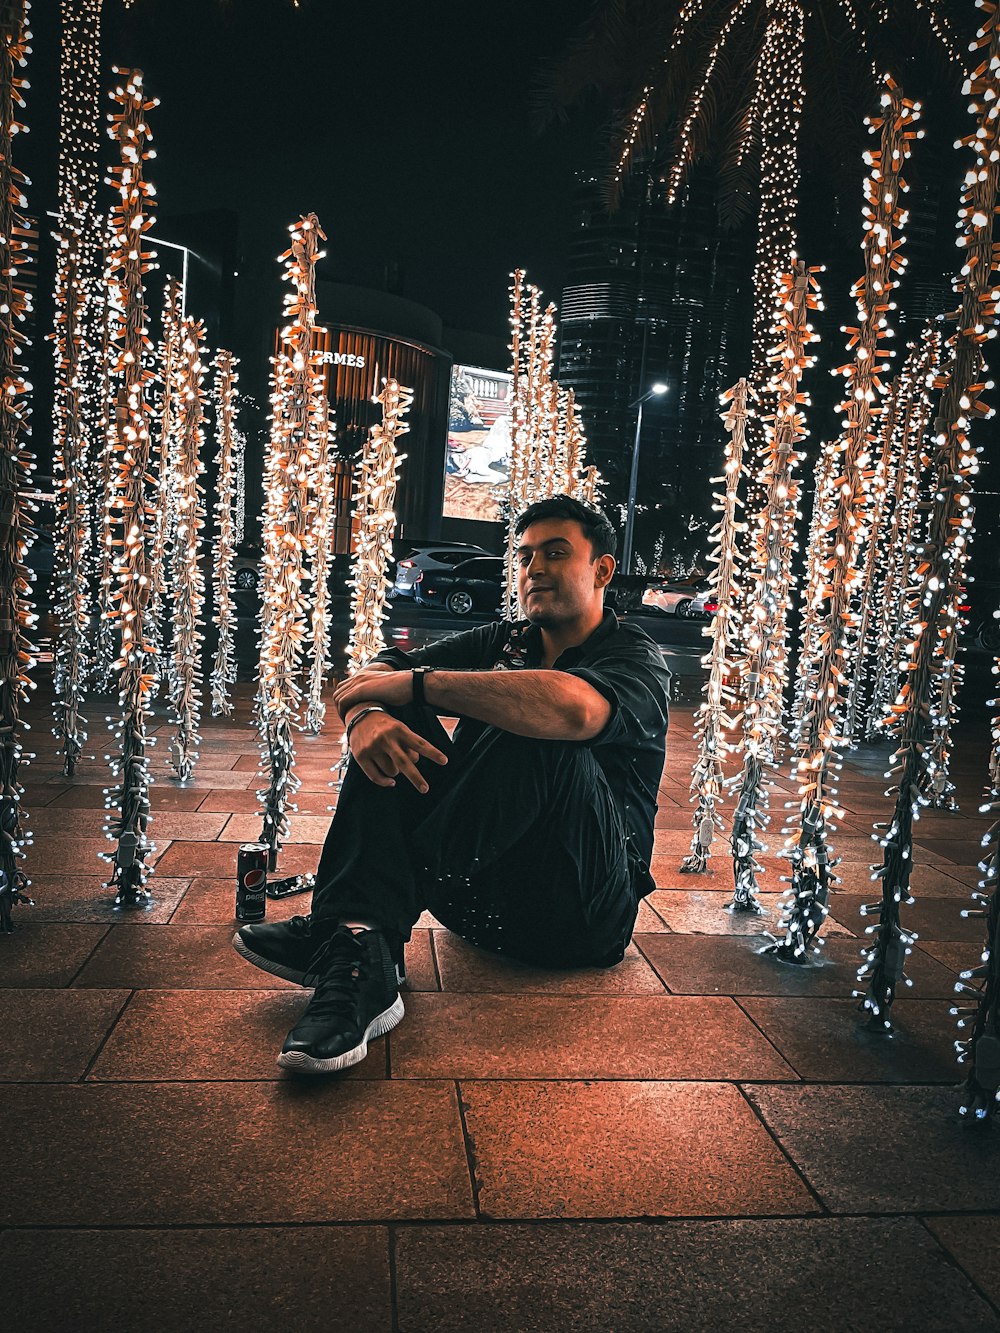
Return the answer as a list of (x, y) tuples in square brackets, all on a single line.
[(251, 881)]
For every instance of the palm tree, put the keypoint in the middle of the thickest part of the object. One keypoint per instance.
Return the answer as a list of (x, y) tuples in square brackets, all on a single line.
[(729, 78)]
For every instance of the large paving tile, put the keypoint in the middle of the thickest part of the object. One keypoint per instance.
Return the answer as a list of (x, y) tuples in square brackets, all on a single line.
[(931, 918), (828, 1041), (624, 1150), (682, 1277), (39, 953), (466, 968), (656, 1037), (211, 900), (974, 1244), (926, 881), (54, 1034), (884, 1149), (68, 856), (178, 1281), (248, 803), (712, 965), (173, 958), (217, 860), (164, 825), (88, 898), (139, 1154), (703, 912), (301, 828), (667, 874), (189, 1035)]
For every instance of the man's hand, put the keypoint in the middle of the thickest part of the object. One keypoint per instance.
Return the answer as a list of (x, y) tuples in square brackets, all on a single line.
[(374, 685), (386, 749)]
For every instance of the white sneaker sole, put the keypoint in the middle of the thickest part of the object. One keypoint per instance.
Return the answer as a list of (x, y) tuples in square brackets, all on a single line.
[(378, 1027), (265, 965)]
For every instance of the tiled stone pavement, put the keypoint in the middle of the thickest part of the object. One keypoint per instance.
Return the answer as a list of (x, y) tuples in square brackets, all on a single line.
[(700, 1138)]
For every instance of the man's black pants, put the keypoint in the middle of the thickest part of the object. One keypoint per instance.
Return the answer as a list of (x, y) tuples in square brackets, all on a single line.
[(518, 847)]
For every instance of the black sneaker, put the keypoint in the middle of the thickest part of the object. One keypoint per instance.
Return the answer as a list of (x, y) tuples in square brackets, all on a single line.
[(356, 999), (287, 948)]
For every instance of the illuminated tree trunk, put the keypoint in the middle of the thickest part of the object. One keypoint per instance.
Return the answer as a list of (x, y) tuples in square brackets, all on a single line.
[(934, 608), (224, 667), (716, 715)]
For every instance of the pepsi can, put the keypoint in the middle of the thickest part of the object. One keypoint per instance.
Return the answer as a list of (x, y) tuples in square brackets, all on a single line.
[(251, 881)]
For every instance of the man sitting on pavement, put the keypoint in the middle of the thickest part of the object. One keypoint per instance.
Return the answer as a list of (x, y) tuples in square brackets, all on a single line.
[(529, 833)]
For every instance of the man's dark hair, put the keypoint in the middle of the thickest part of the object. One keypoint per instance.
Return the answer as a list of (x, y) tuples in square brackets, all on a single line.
[(593, 521)]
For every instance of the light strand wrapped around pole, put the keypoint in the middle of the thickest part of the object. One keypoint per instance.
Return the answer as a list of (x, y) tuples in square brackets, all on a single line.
[(716, 715), (130, 509), (170, 364), (821, 738), (765, 613), (288, 474), (224, 667), (187, 575), (933, 605), (375, 499), (320, 535), (15, 466)]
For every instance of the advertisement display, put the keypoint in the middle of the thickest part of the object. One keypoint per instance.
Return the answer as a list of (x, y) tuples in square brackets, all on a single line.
[(477, 459)]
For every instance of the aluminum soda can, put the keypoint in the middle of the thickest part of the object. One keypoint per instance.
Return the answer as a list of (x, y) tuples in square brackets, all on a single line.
[(251, 881)]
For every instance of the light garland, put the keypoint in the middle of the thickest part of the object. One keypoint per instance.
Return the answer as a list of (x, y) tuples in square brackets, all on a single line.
[(288, 474), (978, 986), (934, 606), (764, 668), (320, 535), (224, 667), (105, 650), (187, 575), (170, 361), (820, 738), (239, 485), (15, 466), (716, 716), (130, 510), (375, 497)]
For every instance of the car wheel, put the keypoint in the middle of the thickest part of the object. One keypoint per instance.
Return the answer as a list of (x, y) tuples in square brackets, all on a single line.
[(459, 602), (683, 608), (246, 579), (988, 636)]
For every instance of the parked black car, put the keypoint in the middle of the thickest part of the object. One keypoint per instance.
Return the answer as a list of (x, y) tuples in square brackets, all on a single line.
[(474, 585)]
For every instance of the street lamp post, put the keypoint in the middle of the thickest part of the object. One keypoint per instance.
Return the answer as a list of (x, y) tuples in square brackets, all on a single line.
[(654, 391)]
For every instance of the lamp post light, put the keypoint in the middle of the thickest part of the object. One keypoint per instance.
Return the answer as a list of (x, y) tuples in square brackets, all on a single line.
[(654, 391)]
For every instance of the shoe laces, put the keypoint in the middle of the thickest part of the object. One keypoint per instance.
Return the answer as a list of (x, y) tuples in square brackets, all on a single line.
[(337, 966)]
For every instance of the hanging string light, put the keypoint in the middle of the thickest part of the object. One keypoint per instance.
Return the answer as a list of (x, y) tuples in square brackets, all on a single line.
[(170, 362), (106, 432), (320, 536), (820, 736), (375, 498), (15, 465), (716, 716), (933, 608), (224, 667), (130, 508), (239, 485), (288, 473), (187, 576), (978, 987), (767, 594)]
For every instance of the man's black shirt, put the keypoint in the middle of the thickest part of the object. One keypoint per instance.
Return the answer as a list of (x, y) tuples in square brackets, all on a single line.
[(618, 660)]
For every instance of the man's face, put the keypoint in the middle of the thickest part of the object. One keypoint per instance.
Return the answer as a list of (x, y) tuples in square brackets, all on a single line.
[(558, 579)]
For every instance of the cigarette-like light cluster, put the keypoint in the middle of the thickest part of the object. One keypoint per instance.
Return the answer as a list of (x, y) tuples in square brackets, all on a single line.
[(170, 366), (288, 477), (820, 735), (15, 466), (933, 603), (187, 575), (374, 500), (767, 594), (548, 445), (716, 716), (130, 510), (224, 667), (320, 536)]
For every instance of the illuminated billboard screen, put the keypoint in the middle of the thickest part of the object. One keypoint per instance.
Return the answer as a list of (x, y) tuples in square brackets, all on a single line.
[(477, 459)]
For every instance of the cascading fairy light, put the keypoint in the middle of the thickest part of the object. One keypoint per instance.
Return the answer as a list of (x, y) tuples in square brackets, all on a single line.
[(716, 716), (820, 742), (320, 533), (519, 433), (978, 987), (239, 485), (187, 576), (170, 364), (933, 607), (767, 595), (106, 649), (288, 474), (375, 498), (224, 667), (130, 508), (15, 466)]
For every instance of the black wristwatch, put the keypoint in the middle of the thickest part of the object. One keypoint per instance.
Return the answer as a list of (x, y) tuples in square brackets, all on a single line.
[(418, 674)]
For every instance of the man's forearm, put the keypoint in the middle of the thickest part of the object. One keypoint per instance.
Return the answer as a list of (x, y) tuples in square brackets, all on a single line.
[(550, 705)]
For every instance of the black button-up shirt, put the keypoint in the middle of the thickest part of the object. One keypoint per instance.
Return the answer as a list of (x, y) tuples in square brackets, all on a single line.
[(618, 660)]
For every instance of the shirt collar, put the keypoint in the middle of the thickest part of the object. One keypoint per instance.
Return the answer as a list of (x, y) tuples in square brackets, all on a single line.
[(532, 636)]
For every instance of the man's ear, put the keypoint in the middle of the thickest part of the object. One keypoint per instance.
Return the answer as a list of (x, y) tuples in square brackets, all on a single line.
[(603, 570)]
